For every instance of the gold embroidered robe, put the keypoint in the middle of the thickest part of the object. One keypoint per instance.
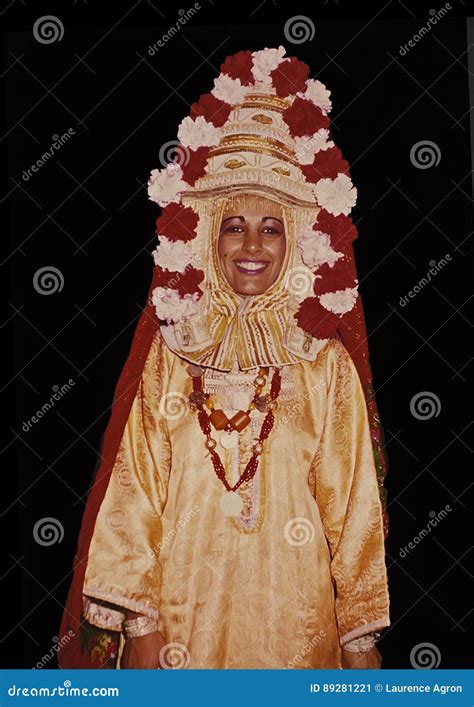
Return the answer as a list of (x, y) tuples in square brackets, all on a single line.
[(298, 573)]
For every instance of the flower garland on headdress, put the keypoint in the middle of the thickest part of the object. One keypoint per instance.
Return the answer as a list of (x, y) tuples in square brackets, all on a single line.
[(325, 248)]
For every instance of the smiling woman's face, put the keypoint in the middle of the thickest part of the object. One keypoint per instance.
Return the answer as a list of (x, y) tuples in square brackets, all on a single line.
[(251, 246)]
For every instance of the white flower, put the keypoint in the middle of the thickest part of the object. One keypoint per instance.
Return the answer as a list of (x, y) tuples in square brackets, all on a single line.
[(307, 146), (266, 61), (198, 133), (341, 301), (318, 94), (315, 248), (166, 185), (172, 255), (171, 307), (337, 196), (228, 89)]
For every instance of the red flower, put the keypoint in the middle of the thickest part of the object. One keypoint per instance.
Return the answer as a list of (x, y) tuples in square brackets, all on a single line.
[(211, 108), (290, 76), (327, 163), (340, 228), (316, 320), (239, 66), (342, 274), (185, 283), (177, 222), (193, 162), (304, 118)]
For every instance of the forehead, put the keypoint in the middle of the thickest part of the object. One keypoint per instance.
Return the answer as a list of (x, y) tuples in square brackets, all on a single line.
[(251, 205)]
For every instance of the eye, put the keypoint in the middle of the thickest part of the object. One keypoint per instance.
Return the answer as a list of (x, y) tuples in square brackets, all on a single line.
[(234, 229), (271, 230)]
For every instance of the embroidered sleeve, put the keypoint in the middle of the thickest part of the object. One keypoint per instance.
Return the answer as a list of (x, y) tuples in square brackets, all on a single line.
[(123, 566), (348, 499)]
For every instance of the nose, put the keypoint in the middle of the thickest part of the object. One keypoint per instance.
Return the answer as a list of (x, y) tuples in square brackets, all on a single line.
[(252, 242)]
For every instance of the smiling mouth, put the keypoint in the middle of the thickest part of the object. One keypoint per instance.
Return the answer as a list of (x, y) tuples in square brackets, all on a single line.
[(251, 267)]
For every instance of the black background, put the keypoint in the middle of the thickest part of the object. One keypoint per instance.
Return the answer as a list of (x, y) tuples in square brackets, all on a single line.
[(86, 213)]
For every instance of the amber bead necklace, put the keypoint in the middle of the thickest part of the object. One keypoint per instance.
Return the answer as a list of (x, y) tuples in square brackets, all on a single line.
[(231, 503)]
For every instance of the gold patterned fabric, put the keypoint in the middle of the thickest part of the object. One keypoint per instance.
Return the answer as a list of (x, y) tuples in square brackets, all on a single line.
[(299, 572)]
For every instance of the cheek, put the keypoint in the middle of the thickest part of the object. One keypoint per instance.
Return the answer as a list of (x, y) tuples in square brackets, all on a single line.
[(278, 250)]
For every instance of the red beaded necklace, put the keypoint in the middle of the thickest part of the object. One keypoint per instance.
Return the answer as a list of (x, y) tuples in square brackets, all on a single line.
[(265, 403)]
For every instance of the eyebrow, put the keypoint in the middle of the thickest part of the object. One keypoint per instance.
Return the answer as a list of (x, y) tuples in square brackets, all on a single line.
[(242, 218)]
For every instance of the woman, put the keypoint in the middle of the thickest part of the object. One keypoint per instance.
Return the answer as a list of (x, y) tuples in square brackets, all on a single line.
[(235, 521)]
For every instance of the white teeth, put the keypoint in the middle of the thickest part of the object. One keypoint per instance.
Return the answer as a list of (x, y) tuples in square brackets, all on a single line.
[(251, 266)]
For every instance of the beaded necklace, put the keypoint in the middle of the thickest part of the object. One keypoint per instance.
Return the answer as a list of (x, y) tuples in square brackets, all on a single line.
[(231, 503)]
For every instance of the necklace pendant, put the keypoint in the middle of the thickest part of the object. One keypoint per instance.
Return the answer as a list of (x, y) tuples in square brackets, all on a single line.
[(229, 440), (231, 504)]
